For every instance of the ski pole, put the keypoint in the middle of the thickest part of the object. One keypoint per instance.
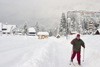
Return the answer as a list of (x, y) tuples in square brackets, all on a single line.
[(71, 54), (83, 53)]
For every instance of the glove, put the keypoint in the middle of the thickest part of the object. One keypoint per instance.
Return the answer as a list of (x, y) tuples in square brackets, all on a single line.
[(83, 46), (73, 42)]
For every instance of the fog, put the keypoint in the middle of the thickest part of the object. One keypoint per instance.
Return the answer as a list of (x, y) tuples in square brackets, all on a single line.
[(45, 12)]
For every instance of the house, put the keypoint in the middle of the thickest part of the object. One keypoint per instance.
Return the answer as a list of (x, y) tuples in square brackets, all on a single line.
[(31, 31), (73, 32), (19, 32), (42, 35), (4, 29), (97, 32), (58, 36), (8, 29)]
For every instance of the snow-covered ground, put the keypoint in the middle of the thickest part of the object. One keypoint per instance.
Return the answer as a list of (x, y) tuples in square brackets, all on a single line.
[(28, 51)]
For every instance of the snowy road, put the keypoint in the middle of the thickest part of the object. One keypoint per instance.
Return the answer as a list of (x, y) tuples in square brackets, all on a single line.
[(21, 51)]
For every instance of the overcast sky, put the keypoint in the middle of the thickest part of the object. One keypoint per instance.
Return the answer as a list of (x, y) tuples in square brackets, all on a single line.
[(45, 12)]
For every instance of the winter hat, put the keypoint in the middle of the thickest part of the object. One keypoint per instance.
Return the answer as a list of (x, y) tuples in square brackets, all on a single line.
[(78, 35)]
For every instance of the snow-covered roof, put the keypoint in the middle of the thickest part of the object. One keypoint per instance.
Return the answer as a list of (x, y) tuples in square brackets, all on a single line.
[(57, 35), (74, 32), (42, 33), (98, 29), (31, 29), (4, 26), (8, 27)]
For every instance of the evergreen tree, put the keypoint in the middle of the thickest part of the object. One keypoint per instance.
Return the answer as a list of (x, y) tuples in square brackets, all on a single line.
[(50, 33), (62, 29), (37, 27), (25, 29)]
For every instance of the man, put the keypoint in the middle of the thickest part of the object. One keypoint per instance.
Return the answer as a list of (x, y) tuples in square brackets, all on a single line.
[(77, 43)]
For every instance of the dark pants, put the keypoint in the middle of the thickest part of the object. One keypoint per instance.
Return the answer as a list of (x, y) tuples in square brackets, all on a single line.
[(78, 56)]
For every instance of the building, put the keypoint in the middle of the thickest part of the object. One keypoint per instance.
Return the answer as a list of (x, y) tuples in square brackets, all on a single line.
[(97, 32), (31, 31), (91, 26), (42, 35), (8, 29), (73, 32), (57, 36)]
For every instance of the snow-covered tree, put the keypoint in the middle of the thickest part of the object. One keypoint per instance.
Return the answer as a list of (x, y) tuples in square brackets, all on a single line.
[(50, 33), (37, 27), (62, 28), (25, 29)]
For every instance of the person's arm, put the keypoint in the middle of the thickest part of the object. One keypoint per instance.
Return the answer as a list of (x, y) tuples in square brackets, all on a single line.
[(72, 42)]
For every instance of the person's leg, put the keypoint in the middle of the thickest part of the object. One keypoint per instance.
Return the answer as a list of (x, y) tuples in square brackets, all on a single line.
[(73, 55), (78, 57)]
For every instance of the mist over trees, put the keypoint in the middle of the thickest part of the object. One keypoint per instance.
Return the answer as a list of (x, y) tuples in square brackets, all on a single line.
[(75, 21)]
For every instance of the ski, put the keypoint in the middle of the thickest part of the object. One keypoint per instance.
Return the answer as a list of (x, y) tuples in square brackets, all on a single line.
[(75, 65), (71, 63)]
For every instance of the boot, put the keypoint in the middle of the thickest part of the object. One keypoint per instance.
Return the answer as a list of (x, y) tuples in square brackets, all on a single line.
[(71, 60), (79, 64)]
